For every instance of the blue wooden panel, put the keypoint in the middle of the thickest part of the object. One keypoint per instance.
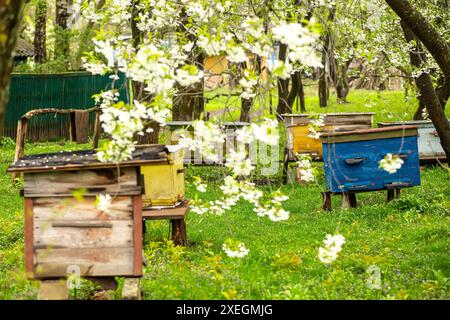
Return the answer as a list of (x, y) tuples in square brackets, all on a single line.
[(353, 166)]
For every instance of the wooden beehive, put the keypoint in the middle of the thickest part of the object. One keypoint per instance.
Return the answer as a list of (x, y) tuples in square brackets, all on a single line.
[(297, 130), (174, 128), (164, 182), (430, 148), (64, 230), (351, 159)]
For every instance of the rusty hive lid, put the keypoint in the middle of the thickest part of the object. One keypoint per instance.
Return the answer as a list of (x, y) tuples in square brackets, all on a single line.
[(87, 159)]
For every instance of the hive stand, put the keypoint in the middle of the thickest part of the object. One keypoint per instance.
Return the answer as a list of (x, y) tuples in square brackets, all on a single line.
[(349, 198), (175, 214), (56, 289)]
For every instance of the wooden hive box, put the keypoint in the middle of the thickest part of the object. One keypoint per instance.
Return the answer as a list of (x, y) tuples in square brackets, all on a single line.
[(297, 131), (351, 159), (173, 129), (164, 182), (64, 230), (430, 148)]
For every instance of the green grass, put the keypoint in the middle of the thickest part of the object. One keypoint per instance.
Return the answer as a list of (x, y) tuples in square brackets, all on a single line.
[(388, 105), (408, 239)]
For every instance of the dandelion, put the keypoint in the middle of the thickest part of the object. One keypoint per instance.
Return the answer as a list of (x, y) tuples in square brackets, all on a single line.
[(103, 202), (391, 163)]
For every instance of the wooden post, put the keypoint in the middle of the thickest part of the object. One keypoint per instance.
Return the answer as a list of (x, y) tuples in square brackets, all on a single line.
[(326, 201), (53, 290), (352, 198), (179, 237), (97, 129), (390, 195), (348, 200), (21, 134), (285, 165), (131, 289), (397, 193)]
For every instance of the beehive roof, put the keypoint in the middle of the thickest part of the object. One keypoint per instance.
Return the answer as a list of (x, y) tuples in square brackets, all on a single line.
[(71, 160)]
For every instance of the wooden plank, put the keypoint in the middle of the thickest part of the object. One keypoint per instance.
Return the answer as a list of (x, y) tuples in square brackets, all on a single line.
[(91, 261), (98, 181), (172, 213), (330, 119), (137, 235), (28, 226), (82, 126), (364, 135), (57, 234), (70, 209)]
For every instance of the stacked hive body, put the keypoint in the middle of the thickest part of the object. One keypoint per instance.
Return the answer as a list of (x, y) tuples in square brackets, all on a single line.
[(164, 182), (174, 129), (297, 126), (430, 148), (351, 159), (65, 231)]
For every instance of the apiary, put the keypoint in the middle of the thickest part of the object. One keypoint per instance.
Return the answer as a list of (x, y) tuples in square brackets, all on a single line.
[(430, 148), (297, 130), (352, 159)]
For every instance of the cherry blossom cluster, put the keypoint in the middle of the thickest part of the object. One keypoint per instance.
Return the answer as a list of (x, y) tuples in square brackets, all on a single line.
[(332, 246)]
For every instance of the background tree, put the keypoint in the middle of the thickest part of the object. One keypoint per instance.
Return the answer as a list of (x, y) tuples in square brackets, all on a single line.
[(40, 31), (62, 34), (415, 23), (10, 14)]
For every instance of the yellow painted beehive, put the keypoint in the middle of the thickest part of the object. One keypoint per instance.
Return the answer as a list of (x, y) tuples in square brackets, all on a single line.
[(164, 182), (297, 129)]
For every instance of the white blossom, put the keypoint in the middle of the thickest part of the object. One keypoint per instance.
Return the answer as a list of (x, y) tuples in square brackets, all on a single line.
[(103, 202), (235, 251), (391, 163)]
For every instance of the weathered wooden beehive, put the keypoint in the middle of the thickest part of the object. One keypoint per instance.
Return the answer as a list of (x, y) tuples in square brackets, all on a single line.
[(64, 230), (430, 148), (175, 127), (297, 131), (351, 159)]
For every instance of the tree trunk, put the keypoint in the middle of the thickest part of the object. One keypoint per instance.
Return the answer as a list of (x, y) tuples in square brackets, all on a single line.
[(138, 87), (246, 105), (440, 51), (323, 88), (341, 83), (61, 31), (9, 24), (283, 85), (40, 32), (85, 37), (417, 60), (189, 104)]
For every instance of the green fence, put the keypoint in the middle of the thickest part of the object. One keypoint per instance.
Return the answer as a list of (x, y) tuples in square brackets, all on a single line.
[(63, 91)]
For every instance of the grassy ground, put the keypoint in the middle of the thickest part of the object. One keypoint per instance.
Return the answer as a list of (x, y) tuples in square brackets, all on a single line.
[(408, 239), (388, 105)]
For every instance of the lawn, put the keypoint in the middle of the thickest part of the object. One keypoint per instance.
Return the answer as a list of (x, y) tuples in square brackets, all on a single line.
[(407, 239)]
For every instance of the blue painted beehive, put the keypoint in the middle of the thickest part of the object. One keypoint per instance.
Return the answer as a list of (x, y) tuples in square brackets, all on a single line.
[(351, 159)]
